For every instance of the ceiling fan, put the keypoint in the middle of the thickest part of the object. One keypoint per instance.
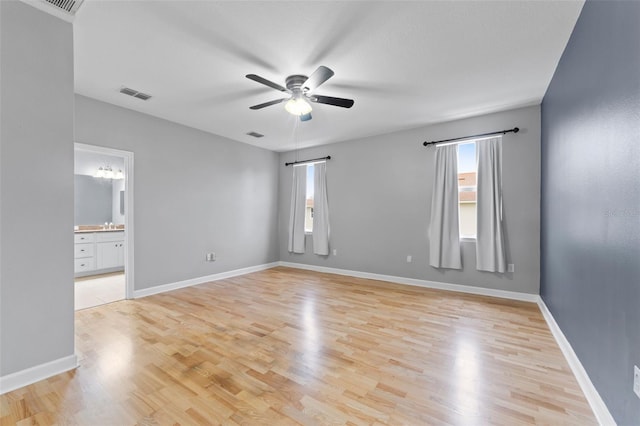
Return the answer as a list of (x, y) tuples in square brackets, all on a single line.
[(300, 87)]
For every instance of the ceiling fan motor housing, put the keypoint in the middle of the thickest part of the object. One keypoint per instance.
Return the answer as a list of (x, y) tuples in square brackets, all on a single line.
[(294, 82)]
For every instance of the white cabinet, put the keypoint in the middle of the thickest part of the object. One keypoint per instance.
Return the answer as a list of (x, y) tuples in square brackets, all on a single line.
[(84, 265), (98, 251), (110, 255), (83, 251), (110, 250)]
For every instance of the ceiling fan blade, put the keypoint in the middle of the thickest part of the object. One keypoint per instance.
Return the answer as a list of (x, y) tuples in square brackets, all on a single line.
[(266, 82), (329, 100), (318, 77), (305, 117), (266, 104)]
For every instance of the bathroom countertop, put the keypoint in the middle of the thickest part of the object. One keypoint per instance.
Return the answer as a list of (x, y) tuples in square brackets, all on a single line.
[(86, 231)]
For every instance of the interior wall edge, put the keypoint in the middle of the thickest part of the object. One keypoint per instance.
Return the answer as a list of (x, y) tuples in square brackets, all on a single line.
[(590, 392)]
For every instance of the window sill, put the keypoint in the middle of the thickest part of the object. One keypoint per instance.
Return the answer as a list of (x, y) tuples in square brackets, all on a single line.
[(467, 239)]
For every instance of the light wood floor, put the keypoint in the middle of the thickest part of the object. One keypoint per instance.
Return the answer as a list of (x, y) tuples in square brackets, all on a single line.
[(285, 346)]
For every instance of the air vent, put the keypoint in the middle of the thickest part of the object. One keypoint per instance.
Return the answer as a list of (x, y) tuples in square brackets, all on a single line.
[(255, 134), (135, 93), (65, 9), (68, 5)]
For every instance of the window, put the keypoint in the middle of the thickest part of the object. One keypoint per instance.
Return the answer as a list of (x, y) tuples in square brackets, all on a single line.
[(467, 185), (308, 215)]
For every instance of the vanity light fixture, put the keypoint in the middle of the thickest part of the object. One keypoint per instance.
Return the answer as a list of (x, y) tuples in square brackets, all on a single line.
[(108, 173)]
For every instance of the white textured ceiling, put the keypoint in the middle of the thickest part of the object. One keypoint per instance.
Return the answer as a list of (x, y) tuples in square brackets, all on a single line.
[(406, 64)]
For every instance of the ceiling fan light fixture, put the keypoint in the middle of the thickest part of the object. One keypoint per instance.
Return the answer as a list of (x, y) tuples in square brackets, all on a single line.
[(297, 106)]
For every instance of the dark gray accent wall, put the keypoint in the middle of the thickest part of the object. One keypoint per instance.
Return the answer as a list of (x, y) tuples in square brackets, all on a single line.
[(93, 200), (590, 209)]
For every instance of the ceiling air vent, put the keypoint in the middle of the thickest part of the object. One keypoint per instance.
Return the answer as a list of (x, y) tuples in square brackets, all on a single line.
[(64, 9), (255, 134), (69, 6), (135, 93)]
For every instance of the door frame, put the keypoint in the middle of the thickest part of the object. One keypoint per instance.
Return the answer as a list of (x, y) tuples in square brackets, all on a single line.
[(128, 211)]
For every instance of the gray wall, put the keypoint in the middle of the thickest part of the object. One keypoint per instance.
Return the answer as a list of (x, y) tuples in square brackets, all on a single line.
[(36, 182), (93, 200), (194, 193), (590, 277), (379, 191)]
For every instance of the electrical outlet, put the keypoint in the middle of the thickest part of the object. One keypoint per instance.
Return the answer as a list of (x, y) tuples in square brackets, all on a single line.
[(511, 267), (335, 252), (409, 259), (636, 380), (211, 257)]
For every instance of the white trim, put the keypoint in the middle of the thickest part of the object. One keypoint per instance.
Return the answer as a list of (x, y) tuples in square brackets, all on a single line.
[(598, 406), (201, 280), (50, 9), (504, 294), (128, 210), (31, 375)]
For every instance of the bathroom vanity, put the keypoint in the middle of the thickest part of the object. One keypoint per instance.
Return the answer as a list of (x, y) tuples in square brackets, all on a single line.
[(98, 251)]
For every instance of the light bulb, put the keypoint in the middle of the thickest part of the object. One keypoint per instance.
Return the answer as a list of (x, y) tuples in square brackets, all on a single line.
[(99, 173), (119, 175), (297, 106)]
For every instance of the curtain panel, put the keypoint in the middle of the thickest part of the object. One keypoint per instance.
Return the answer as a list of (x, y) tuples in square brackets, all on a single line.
[(297, 210), (320, 210), (444, 235), (490, 251)]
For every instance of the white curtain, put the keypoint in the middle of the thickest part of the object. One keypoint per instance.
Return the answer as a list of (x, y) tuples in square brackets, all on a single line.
[(444, 238), (297, 211), (490, 254), (320, 210)]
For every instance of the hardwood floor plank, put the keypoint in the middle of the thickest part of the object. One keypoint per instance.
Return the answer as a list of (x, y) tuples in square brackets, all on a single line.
[(286, 346)]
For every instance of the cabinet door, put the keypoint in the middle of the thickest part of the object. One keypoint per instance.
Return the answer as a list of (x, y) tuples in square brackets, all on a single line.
[(107, 256), (120, 259)]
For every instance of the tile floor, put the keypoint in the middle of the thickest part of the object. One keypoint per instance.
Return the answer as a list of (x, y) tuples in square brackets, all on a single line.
[(98, 290)]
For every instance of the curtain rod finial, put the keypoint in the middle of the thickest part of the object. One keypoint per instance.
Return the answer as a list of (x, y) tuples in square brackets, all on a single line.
[(516, 129)]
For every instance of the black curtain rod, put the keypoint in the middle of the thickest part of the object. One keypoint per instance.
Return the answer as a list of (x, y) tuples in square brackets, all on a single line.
[(499, 132), (328, 157)]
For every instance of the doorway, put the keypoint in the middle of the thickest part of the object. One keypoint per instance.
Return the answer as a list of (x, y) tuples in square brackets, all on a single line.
[(103, 225)]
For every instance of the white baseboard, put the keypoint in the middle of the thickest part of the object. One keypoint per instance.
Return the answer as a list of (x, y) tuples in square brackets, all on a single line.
[(504, 294), (201, 280), (598, 406), (35, 374)]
